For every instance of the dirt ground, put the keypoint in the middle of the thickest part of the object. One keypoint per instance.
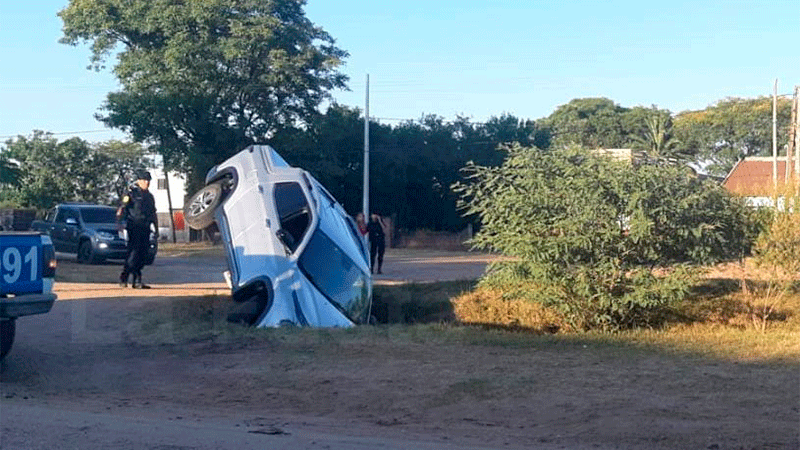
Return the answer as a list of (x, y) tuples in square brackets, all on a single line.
[(82, 376)]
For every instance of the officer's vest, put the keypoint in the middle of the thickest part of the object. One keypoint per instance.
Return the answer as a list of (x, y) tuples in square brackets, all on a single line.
[(140, 208)]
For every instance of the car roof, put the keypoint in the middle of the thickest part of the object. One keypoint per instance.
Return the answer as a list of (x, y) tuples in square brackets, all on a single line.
[(88, 205)]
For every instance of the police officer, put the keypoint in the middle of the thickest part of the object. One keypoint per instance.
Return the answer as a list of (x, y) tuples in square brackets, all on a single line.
[(377, 241), (138, 211)]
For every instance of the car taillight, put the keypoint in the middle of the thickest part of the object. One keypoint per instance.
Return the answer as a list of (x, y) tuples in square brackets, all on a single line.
[(49, 260)]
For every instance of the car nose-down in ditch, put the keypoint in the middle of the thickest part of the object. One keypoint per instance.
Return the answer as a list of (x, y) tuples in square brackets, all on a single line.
[(294, 255)]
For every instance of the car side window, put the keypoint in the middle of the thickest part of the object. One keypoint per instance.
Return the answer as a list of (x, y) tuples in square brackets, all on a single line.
[(61, 216), (70, 214), (293, 211)]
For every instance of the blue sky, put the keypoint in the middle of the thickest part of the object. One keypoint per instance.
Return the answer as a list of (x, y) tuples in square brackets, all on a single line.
[(471, 58)]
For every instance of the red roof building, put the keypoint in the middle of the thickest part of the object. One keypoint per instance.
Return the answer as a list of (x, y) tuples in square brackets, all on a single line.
[(753, 177)]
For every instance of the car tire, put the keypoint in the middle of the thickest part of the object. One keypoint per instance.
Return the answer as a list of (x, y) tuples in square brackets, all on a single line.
[(7, 329), (199, 210), (86, 254)]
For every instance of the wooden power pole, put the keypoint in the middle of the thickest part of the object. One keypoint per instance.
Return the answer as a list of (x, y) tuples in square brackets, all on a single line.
[(775, 135), (795, 128), (790, 149)]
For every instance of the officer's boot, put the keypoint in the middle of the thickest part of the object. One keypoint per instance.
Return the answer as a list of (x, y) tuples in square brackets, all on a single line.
[(137, 282), (123, 279)]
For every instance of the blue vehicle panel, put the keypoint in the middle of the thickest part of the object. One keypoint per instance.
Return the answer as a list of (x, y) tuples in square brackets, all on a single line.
[(20, 264)]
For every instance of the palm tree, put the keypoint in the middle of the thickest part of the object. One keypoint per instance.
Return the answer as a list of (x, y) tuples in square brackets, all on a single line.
[(658, 142)]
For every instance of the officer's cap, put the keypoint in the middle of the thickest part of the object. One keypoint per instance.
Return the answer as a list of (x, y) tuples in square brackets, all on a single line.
[(143, 175)]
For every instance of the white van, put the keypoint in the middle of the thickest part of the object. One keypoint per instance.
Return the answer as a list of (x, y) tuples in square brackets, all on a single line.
[(294, 255)]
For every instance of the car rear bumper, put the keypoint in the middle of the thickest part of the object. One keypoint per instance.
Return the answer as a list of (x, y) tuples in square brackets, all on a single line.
[(26, 305)]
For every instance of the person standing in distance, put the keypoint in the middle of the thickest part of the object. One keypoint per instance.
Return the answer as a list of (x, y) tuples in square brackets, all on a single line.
[(377, 241), (361, 224), (138, 211)]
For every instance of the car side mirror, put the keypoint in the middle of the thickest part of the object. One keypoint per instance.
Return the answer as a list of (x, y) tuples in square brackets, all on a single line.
[(71, 221)]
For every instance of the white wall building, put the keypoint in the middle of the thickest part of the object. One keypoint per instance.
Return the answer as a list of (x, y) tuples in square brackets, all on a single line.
[(168, 188)]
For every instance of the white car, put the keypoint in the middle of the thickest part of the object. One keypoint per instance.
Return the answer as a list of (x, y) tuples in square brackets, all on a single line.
[(294, 255)]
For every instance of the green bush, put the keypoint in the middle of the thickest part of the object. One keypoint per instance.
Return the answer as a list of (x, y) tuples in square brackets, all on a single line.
[(608, 243)]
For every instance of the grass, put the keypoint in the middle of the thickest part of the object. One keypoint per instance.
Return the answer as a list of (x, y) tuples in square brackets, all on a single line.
[(715, 322), (190, 249)]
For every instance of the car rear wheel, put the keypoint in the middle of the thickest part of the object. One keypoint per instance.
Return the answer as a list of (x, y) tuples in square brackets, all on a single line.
[(199, 210), (7, 329)]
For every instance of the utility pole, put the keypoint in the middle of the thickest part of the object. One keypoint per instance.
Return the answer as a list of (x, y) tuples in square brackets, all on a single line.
[(775, 135), (169, 203), (791, 149), (365, 208), (795, 127)]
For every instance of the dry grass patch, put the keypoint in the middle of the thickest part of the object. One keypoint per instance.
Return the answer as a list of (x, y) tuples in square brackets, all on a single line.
[(718, 320), (490, 307)]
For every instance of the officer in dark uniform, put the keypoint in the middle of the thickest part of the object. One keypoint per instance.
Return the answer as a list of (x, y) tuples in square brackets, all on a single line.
[(138, 211), (377, 241)]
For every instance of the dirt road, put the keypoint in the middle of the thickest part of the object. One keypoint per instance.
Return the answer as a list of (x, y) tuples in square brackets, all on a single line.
[(94, 373)]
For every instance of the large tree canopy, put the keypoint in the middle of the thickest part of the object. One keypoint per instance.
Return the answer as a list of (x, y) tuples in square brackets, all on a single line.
[(204, 79), (51, 172), (732, 129), (591, 122), (601, 123)]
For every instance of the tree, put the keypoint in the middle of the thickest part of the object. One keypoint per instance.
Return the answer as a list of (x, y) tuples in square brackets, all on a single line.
[(584, 232), (657, 141), (202, 80), (331, 147), (589, 122), (731, 130), (9, 172), (412, 164), (52, 172), (118, 162)]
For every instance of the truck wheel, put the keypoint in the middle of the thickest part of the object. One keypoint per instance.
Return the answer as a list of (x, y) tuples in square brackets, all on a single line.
[(7, 328), (199, 210), (86, 254)]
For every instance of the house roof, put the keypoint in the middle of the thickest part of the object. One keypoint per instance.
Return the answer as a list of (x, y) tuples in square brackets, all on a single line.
[(752, 176)]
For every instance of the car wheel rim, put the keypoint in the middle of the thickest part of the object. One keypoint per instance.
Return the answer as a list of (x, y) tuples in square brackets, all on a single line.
[(202, 203)]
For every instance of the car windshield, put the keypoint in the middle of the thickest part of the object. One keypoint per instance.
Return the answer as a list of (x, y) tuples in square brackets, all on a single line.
[(99, 215), (336, 276), (350, 224)]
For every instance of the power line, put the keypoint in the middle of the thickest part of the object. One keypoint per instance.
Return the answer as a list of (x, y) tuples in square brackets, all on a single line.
[(62, 133)]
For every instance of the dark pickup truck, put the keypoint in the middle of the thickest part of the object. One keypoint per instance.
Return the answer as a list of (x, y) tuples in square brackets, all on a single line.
[(88, 230)]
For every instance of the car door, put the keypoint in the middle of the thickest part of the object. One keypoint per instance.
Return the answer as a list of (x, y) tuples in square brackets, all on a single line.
[(71, 230), (58, 230)]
